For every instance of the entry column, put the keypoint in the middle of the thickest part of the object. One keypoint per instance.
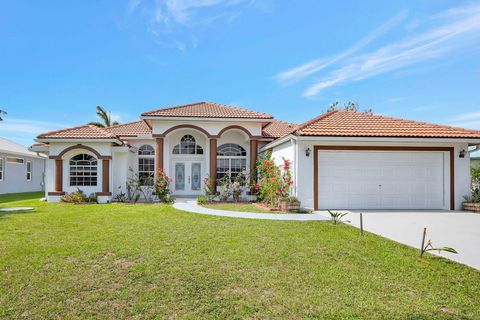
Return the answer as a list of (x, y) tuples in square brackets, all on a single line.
[(159, 156), (213, 160)]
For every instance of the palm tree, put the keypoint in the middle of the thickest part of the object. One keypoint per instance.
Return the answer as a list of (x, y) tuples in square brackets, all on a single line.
[(2, 112), (105, 117)]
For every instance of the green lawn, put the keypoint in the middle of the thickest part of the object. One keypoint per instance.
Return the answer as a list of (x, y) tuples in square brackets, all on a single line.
[(241, 207), (151, 261)]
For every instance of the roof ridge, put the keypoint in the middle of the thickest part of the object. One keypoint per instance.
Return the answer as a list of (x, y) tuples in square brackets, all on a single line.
[(282, 121), (415, 121), (174, 107), (62, 130), (124, 124), (316, 119)]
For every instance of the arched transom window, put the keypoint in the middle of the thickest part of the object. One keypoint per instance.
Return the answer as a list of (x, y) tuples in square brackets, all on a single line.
[(146, 164), (231, 160), (187, 145), (83, 170)]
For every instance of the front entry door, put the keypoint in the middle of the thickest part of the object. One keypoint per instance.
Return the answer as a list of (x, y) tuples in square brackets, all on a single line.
[(187, 177)]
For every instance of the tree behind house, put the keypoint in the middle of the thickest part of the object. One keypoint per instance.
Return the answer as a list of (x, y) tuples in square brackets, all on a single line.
[(105, 117)]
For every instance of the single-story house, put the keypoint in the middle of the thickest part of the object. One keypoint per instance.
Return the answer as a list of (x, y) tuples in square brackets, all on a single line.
[(20, 169), (340, 160)]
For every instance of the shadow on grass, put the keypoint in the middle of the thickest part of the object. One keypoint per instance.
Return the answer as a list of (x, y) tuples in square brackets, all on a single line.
[(13, 197)]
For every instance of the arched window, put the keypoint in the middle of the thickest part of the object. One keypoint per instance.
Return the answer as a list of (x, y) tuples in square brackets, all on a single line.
[(146, 150), (83, 170), (231, 160), (146, 164), (187, 145)]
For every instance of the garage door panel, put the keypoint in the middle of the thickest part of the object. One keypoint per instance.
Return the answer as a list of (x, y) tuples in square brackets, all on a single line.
[(381, 180)]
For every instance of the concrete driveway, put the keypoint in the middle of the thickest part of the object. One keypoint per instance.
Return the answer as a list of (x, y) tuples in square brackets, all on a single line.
[(459, 230)]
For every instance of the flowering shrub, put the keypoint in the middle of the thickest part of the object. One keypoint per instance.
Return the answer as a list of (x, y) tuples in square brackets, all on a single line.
[(274, 181), (209, 187), (78, 197), (162, 186)]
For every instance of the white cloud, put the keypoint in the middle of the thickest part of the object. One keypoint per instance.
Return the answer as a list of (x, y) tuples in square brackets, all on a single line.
[(314, 66), (450, 31), (24, 131), (175, 22), (467, 116)]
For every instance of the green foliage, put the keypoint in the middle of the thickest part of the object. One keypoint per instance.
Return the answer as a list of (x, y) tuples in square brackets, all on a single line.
[(201, 199), (274, 181), (349, 106), (336, 216), (429, 247), (105, 117), (120, 196), (210, 187), (474, 196), (162, 186), (78, 197), (2, 113)]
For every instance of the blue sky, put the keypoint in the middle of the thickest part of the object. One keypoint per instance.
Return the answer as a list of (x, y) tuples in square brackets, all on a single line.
[(409, 59)]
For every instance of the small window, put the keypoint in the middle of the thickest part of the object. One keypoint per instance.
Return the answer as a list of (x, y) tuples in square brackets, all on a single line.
[(15, 160), (187, 145), (1, 169), (29, 170)]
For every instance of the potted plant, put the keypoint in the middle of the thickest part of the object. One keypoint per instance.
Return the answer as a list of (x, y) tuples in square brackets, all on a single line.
[(289, 204)]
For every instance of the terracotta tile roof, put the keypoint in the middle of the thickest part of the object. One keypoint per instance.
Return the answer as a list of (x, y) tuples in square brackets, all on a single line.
[(207, 110), (131, 129), (81, 132), (360, 124), (277, 129)]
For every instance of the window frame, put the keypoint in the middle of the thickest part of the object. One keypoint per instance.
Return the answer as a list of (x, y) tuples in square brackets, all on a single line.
[(229, 159), (179, 148), (91, 176), (29, 172), (2, 168), (14, 160), (150, 156)]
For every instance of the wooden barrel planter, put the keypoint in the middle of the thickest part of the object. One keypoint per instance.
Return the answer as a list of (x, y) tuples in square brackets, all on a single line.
[(470, 206)]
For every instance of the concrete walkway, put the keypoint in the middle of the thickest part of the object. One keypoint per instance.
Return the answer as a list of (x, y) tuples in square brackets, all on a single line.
[(192, 206), (459, 230)]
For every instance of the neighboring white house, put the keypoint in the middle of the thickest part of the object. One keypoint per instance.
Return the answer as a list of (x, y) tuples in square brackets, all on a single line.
[(20, 170), (340, 160)]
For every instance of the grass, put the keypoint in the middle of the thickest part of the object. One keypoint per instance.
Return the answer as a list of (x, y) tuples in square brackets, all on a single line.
[(134, 261), (241, 207)]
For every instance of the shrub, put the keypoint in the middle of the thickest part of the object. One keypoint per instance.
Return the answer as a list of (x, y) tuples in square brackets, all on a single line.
[(78, 197), (274, 181), (169, 200), (474, 196), (162, 186), (201, 199), (209, 187), (225, 187)]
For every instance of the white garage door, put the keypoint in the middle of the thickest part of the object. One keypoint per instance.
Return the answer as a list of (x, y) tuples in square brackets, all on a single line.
[(381, 180)]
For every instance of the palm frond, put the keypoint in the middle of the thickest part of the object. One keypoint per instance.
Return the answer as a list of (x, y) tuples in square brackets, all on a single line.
[(103, 114), (97, 124)]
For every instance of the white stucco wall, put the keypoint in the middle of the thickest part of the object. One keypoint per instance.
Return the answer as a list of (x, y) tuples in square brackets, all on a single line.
[(212, 127), (303, 166), (15, 175)]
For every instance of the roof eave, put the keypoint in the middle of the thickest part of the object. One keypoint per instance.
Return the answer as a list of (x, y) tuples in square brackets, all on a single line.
[(263, 120)]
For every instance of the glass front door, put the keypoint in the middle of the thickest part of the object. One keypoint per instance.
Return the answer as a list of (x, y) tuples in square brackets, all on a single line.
[(188, 177)]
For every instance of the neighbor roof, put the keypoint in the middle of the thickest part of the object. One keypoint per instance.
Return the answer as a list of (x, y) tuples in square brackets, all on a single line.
[(131, 129), (207, 110), (277, 129), (10, 147), (88, 131), (361, 124)]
